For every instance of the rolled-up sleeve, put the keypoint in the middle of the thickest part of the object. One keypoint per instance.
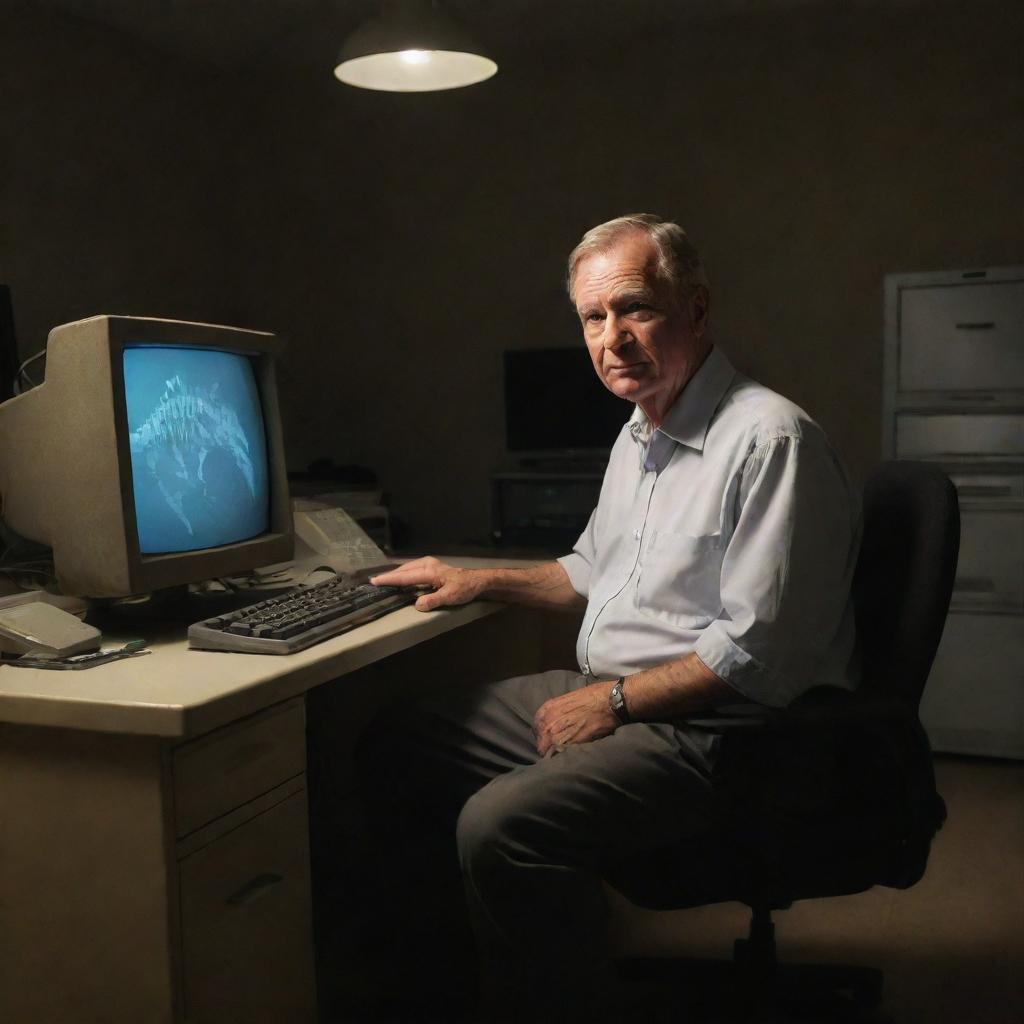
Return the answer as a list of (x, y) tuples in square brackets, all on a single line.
[(579, 564), (786, 573)]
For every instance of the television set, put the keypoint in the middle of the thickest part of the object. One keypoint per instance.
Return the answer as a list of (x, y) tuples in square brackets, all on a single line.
[(556, 406), (151, 455)]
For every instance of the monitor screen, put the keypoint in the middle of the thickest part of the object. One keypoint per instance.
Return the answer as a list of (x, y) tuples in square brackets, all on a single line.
[(198, 447), (554, 401)]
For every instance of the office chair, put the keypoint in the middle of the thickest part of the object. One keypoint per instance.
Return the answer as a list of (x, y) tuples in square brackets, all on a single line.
[(875, 822)]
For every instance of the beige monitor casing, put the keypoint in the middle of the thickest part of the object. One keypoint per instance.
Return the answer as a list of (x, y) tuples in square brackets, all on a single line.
[(65, 463)]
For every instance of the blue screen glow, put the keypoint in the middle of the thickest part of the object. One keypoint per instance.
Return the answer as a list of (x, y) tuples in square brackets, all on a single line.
[(198, 448)]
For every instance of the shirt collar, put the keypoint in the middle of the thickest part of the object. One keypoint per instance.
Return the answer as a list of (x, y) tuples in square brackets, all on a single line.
[(688, 420)]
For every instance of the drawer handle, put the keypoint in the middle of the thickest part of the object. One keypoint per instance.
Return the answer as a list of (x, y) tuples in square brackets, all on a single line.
[(254, 889), (974, 585), (976, 325)]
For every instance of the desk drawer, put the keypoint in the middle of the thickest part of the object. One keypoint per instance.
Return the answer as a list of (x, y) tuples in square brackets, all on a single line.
[(217, 773), (962, 337), (246, 923)]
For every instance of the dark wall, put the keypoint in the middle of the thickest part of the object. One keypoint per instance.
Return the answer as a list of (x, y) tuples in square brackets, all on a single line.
[(405, 241), (402, 242), (113, 182)]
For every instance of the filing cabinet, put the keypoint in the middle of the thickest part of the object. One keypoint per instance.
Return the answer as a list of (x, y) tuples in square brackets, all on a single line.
[(954, 395)]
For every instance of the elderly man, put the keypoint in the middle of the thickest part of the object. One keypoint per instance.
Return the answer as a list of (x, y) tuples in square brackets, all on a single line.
[(715, 576)]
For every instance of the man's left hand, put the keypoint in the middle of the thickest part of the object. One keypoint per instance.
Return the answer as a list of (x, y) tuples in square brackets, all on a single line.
[(577, 717)]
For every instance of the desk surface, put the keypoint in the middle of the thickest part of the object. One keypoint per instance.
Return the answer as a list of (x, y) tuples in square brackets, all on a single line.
[(177, 692)]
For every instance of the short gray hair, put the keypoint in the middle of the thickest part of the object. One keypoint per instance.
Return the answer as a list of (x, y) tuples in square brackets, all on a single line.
[(679, 263)]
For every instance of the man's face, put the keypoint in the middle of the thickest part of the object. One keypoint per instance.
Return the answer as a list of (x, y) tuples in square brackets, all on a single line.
[(644, 342)]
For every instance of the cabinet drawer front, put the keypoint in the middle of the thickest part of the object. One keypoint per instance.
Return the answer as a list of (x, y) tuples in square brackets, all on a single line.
[(959, 435), (217, 773), (974, 700), (246, 923), (962, 338), (990, 571), (988, 486)]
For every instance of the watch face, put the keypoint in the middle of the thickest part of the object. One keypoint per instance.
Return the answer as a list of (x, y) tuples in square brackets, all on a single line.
[(618, 701)]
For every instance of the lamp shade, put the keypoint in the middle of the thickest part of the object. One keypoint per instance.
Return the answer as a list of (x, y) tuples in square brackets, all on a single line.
[(412, 47)]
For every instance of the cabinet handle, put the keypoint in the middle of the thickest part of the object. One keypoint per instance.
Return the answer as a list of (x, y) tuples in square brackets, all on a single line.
[(974, 585), (254, 889), (978, 325)]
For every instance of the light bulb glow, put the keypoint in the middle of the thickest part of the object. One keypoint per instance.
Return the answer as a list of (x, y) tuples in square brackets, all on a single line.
[(427, 71)]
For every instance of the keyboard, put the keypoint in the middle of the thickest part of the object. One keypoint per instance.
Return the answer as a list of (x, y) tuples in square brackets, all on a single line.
[(298, 618)]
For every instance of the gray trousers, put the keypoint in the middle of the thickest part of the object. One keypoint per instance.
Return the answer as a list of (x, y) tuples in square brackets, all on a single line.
[(458, 775)]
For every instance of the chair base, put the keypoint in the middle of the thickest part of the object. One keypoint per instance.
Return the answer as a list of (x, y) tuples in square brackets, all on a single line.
[(754, 986), (719, 991)]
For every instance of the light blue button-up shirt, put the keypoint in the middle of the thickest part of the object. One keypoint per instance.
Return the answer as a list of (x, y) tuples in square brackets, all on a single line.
[(732, 532)]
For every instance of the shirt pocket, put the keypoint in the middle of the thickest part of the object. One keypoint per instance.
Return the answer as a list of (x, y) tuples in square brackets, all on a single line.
[(681, 578)]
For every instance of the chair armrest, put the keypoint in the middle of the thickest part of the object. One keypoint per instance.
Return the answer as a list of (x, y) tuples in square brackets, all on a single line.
[(828, 707)]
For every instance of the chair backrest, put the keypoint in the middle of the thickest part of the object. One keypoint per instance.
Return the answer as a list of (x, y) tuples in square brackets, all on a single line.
[(904, 577)]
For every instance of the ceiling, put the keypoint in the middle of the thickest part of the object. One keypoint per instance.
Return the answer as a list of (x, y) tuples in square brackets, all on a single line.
[(230, 34)]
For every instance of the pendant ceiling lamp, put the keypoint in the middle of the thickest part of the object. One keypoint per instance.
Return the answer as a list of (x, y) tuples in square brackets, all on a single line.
[(412, 46)]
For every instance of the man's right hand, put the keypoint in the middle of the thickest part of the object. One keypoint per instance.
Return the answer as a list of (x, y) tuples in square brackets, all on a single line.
[(450, 585)]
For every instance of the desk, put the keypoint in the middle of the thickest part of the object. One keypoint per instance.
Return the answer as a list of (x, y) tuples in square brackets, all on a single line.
[(154, 838)]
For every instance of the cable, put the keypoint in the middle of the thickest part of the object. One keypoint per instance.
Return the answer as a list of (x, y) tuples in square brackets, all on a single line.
[(22, 374), (18, 573)]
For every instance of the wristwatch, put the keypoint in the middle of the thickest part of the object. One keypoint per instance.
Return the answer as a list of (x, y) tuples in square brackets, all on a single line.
[(617, 702)]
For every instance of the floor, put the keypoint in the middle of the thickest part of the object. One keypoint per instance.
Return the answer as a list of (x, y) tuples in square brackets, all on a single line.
[(951, 948)]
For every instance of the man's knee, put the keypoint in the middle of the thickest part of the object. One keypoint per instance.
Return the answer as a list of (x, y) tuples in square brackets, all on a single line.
[(482, 828), (500, 825)]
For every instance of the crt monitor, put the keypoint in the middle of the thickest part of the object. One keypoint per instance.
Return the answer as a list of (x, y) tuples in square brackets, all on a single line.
[(151, 455)]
